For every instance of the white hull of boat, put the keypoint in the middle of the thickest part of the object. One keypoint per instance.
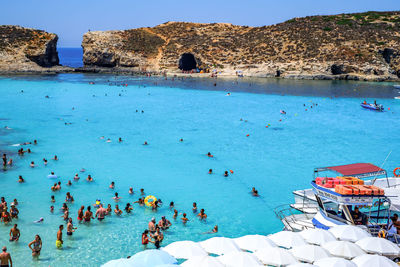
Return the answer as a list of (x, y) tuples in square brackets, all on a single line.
[(305, 198)]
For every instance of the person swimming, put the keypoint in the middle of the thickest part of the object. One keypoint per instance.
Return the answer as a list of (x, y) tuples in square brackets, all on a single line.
[(89, 178), (44, 161), (120, 139), (209, 155), (117, 210), (41, 219), (202, 215), (76, 177), (213, 231), (226, 174), (184, 219), (52, 199), (108, 140), (69, 183), (164, 224), (130, 191), (145, 143), (171, 205), (175, 214), (112, 185), (32, 164), (210, 171), (254, 192), (55, 157), (69, 198), (20, 179), (194, 209), (142, 192), (116, 197), (14, 212), (128, 208)]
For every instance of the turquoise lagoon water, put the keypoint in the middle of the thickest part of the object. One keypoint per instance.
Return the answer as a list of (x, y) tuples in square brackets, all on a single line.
[(276, 160)]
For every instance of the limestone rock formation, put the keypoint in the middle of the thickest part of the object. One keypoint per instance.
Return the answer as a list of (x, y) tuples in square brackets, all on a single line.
[(24, 49), (345, 46)]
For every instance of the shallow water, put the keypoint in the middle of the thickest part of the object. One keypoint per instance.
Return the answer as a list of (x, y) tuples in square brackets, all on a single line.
[(276, 160)]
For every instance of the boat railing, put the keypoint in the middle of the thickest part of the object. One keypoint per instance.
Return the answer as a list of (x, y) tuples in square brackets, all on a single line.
[(291, 216)]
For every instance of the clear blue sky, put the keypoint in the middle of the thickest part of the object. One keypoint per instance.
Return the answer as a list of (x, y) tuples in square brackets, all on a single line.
[(71, 18)]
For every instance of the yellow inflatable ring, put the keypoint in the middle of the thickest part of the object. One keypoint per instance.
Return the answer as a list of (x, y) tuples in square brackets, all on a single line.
[(149, 200)]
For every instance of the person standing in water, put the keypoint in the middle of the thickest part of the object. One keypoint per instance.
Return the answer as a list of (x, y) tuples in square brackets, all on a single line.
[(5, 257), (14, 233), (4, 160), (101, 213), (37, 246), (59, 241), (145, 238), (70, 227), (88, 215)]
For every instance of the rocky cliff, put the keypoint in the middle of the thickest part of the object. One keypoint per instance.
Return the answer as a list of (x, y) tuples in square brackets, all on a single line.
[(23, 49), (345, 46)]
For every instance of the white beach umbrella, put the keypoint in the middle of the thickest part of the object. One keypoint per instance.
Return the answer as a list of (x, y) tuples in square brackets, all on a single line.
[(185, 249), (334, 262), (317, 236), (150, 258), (275, 256), (116, 263), (379, 246), (287, 239), (301, 264), (349, 232), (253, 242), (368, 260), (206, 261), (309, 253), (239, 259), (344, 249), (219, 245)]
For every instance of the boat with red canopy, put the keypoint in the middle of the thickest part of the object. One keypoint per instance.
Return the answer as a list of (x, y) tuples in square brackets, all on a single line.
[(371, 174)]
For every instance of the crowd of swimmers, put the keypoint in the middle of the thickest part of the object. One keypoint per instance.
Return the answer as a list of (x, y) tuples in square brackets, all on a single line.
[(154, 234)]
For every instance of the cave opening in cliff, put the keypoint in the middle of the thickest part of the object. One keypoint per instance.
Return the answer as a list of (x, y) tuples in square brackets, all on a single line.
[(187, 62)]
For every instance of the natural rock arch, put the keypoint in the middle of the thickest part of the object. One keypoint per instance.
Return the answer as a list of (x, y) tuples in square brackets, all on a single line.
[(187, 62)]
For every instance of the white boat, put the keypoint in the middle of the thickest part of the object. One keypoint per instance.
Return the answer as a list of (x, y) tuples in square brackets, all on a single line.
[(305, 198), (336, 208)]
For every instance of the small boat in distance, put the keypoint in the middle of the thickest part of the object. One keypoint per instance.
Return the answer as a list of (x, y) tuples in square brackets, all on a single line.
[(373, 106)]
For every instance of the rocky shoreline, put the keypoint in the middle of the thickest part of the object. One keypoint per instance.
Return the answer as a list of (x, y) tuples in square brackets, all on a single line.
[(359, 46), (134, 71)]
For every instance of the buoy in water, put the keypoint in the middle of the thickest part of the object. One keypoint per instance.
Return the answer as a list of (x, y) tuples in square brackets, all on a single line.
[(247, 135)]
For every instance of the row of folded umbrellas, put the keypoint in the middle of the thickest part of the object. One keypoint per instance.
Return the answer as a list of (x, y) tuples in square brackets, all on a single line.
[(344, 245)]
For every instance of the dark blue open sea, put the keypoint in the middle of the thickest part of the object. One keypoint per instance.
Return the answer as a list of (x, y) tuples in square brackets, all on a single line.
[(71, 57)]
